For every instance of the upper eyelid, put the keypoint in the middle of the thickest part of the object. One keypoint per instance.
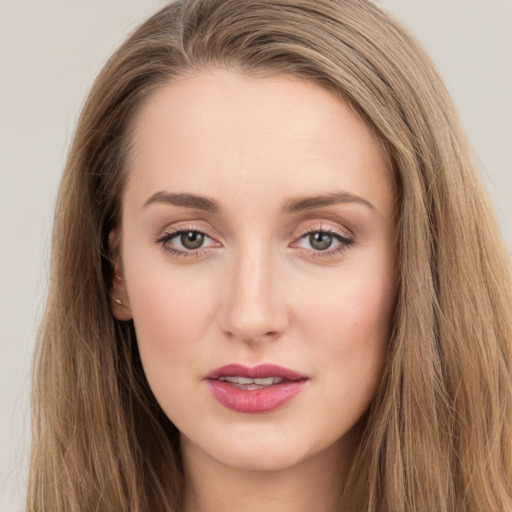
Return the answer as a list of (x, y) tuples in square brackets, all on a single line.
[(168, 234), (171, 230), (324, 226), (343, 238)]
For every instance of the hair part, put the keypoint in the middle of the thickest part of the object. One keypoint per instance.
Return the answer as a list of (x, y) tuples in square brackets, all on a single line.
[(438, 433)]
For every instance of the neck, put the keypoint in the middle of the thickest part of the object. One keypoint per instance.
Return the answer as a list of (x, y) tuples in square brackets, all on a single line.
[(313, 484)]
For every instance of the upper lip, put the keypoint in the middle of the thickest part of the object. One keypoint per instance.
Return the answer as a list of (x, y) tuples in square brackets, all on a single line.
[(261, 371)]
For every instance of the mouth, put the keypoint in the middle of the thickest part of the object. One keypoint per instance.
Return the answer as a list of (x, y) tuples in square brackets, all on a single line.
[(251, 384), (257, 389), (261, 372)]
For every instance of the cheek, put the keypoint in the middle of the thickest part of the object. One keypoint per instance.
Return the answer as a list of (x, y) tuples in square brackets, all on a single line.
[(350, 321), (355, 306), (170, 314), (170, 311)]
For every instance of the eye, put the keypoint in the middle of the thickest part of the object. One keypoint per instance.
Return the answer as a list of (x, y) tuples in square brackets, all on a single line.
[(323, 242), (186, 242)]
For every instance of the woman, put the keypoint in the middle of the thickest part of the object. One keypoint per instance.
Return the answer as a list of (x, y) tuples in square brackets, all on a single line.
[(276, 281)]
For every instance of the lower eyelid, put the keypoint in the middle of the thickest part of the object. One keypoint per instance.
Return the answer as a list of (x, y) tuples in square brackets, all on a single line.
[(177, 250), (344, 242)]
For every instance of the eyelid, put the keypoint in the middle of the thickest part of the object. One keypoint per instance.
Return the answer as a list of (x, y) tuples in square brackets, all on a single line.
[(325, 228), (345, 239), (180, 227), (171, 232)]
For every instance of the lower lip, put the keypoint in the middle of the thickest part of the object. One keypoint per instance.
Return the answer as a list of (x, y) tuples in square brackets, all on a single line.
[(256, 400)]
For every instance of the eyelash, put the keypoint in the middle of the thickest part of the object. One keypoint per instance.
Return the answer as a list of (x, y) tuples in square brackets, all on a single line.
[(169, 235), (344, 242)]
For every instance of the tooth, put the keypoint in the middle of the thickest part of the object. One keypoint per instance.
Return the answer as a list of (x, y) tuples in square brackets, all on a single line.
[(243, 380), (264, 382), (233, 380), (268, 381), (236, 380)]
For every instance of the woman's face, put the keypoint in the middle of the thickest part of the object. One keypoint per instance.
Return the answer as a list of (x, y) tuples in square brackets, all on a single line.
[(257, 260)]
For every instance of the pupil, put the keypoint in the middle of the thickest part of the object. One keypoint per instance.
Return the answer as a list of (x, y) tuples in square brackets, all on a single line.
[(320, 241), (192, 239)]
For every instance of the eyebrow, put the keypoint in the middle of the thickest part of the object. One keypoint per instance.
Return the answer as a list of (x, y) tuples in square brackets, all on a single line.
[(186, 200), (291, 206), (309, 203)]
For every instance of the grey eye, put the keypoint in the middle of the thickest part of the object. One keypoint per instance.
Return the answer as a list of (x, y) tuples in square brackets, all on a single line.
[(192, 239), (320, 241)]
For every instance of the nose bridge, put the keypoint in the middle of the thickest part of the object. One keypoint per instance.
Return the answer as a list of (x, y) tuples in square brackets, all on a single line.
[(253, 308)]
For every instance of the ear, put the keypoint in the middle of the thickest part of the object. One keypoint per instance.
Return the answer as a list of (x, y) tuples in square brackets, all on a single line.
[(119, 302)]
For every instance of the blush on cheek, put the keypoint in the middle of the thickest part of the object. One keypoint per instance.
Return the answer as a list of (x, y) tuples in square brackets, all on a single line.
[(170, 314)]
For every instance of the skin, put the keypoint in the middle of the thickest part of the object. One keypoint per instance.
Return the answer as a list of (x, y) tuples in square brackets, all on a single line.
[(259, 290)]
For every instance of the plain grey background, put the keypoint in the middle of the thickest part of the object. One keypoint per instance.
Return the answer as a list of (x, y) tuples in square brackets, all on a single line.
[(50, 52)]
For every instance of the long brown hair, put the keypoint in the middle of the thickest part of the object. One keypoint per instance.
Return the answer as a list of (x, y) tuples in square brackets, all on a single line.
[(438, 435)]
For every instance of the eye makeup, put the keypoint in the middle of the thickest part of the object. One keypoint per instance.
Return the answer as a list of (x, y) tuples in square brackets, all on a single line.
[(324, 241), (186, 241), (316, 241)]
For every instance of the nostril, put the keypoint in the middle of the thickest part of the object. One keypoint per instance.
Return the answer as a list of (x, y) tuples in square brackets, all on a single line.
[(255, 338)]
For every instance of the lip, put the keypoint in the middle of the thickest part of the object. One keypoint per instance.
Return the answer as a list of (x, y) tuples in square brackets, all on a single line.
[(261, 371), (257, 400)]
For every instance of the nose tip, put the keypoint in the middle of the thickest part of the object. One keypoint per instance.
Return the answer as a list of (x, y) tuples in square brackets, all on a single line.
[(252, 330), (254, 309), (254, 317)]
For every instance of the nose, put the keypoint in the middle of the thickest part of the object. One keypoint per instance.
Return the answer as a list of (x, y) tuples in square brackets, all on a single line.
[(254, 309)]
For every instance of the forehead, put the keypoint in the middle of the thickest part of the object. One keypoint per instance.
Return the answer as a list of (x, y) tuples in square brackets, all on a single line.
[(220, 131)]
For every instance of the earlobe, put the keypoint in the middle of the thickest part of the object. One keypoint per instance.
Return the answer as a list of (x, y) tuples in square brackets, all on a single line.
[(120, 304)]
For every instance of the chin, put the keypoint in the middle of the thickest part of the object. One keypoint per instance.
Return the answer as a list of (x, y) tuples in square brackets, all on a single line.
[(258, 457), (259, 448)]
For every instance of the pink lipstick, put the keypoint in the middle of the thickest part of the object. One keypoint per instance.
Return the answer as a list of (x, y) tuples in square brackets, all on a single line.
[(256, 389)]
